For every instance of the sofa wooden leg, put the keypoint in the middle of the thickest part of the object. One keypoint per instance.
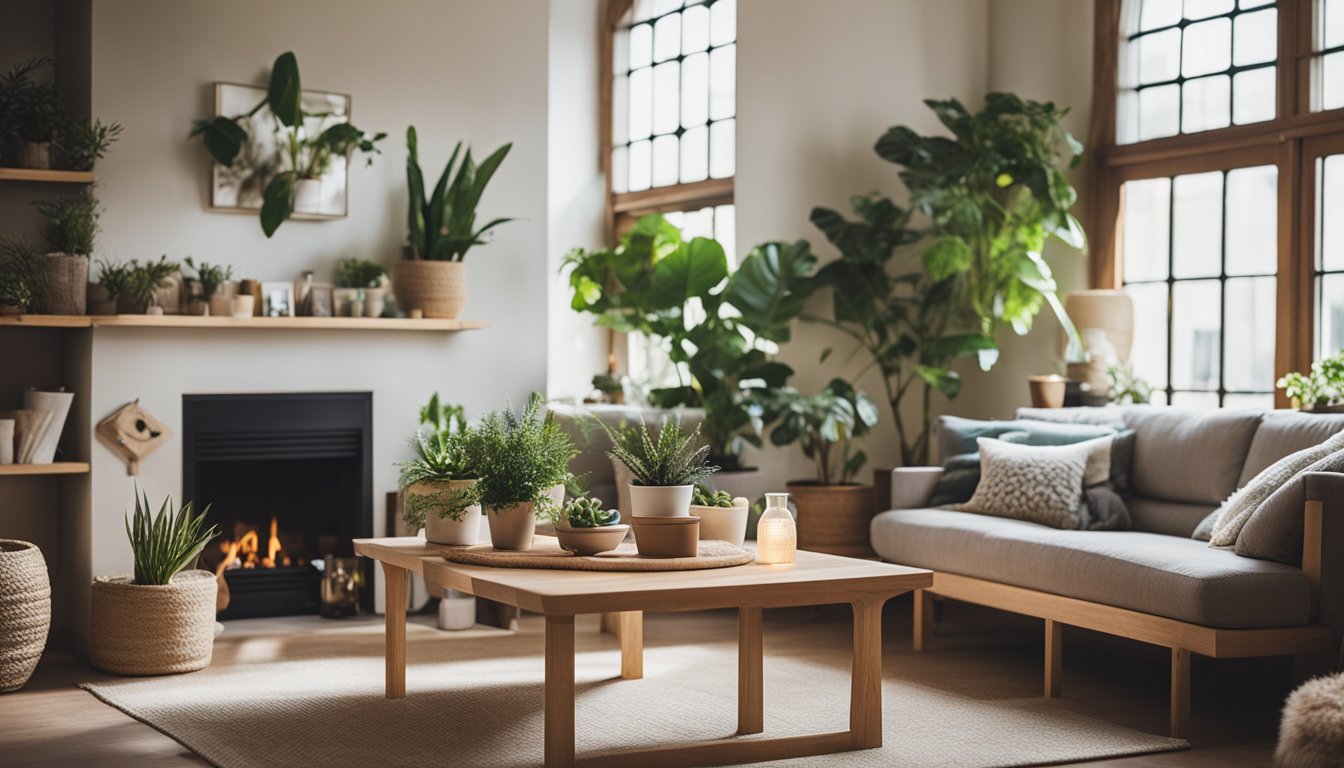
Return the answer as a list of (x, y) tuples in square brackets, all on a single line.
[(923, 618), (1054, 657), (1180, 692)]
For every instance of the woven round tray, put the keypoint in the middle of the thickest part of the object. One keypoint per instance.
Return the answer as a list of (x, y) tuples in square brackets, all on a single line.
[(546, 553)]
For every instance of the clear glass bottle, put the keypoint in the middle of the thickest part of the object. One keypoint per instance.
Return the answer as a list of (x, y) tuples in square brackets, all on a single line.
[(776, 535)]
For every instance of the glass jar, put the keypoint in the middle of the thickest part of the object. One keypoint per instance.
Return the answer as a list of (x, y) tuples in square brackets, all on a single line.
[(776, 535)]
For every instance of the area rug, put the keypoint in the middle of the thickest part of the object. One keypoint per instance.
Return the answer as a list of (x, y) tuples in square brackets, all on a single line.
[(316, 699)]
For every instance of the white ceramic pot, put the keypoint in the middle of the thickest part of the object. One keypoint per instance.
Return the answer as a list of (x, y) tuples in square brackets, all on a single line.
[(912, 487), (221, 306), (660, 500), (308, 196), (723, 523), (243, 306), (464, 531), (375, 301)]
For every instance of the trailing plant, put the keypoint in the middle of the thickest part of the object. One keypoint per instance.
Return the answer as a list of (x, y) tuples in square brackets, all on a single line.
[(671, 458), (29, 109), (148, 278), (1321, 385), (440, 457), (441, 226), (991, 194), (20, 275), (1127, 386), (359, 273), (307, 147), (588, 512), (703, 497), (439, 416), (210, 276), (83, 143), (72, 222), (826, 426), (167, 542), (519, 458), (116, 278)]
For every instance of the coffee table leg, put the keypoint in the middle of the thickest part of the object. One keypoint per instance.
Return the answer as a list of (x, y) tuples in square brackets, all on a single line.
[(630, 632), (865, 688), (750, 682), (395, 633), (559, 691)]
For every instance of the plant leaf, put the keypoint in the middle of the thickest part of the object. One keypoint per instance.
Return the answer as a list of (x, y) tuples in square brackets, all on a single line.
[(284, 95), (277, 202)]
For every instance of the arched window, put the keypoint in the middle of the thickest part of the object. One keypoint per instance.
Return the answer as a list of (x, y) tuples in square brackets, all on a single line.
[(1218, 159)]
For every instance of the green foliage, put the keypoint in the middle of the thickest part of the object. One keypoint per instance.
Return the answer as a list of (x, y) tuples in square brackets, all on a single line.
[(115, 278), (440, 456), (826, 426), (83, 143), (669, 459), (439, 416), (144, 280), (167, 542), (1322, 385), (1129, 387), (442, 225), (72, 222), (20, 275), (210, 276), (359, 273), (703, 497), (519, 458), (29, 109), (588, 512), (307, 156)]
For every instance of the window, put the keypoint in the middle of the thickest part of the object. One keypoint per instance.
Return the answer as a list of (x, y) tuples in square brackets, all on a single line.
[(1219, 149)]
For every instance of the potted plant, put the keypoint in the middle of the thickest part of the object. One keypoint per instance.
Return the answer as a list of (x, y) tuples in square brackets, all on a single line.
[(362, 280), (437, 485), (144, 282), (214, 280), (586, 527), (308, 145), (520, 460), (72, 223), (722, 516), (114, 282), (30, 111), (664, 470), (83, 144), (1320, 389), (440, 229), (18, 275), (833, 511), (161, 620)]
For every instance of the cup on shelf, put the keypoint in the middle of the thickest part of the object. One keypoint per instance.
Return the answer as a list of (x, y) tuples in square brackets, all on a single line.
[(243, 305)]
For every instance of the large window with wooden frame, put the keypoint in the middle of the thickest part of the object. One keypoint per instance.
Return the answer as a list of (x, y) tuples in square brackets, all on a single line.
[(1218, 153)]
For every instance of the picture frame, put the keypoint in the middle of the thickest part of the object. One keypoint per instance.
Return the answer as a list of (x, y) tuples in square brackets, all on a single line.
[(277, 298), (322, 303), (238, 188)]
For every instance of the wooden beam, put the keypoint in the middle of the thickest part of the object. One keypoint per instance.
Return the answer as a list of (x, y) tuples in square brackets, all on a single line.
[(394, 639), (1054, 657), (696, 194), (630, 632), (923, 618), (1313, 518), (750, 671), (1180, 693), (865, 686), (559, 698)]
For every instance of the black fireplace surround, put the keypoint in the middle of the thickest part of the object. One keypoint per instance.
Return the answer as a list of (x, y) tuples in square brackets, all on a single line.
[(304, 459)]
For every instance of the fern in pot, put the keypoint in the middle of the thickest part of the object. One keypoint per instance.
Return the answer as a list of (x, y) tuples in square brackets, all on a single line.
[(664, 467), (436, 485), (161, 620), (523, 465)]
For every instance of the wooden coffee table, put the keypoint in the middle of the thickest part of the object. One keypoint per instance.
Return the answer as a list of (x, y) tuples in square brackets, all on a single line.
[(815, 579)]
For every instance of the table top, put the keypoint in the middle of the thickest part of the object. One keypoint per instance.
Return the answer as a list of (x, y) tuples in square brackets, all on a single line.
[(813, 579)]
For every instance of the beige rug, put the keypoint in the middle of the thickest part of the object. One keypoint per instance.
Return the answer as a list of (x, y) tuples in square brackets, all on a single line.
[(313, 697)]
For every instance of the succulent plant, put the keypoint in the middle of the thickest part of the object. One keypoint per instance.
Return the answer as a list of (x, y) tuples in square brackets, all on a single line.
[(588, 512), (703, 497)]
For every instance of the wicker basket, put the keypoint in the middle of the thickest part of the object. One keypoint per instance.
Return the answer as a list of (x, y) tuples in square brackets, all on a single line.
[(834, 518), (64, 285), (164, 629), (436, 288), (25, 611)]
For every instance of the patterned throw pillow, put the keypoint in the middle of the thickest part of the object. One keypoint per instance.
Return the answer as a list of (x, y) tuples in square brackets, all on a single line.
[(1040, 484)]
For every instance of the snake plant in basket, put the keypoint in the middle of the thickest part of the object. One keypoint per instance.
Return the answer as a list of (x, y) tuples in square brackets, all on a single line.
[(161, 620)]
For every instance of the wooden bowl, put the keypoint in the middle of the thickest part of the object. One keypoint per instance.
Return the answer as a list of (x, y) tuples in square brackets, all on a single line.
[(666, 536), (590, 541)]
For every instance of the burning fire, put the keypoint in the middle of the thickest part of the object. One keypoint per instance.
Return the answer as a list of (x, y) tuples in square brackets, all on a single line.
[(245, 551)]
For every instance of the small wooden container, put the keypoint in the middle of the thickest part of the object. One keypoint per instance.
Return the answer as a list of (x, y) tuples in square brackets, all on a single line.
[(666, 536)]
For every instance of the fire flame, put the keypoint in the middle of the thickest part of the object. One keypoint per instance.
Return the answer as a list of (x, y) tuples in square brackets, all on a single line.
[(245, 551)]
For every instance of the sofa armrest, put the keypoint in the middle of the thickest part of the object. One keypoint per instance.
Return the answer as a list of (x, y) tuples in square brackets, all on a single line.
[(1323, 548), (912, 487)]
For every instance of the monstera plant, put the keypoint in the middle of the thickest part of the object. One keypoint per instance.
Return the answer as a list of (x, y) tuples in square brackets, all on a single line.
[(915, 297)]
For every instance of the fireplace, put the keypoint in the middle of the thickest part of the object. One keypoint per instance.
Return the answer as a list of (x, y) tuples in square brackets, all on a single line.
[(288, 478)]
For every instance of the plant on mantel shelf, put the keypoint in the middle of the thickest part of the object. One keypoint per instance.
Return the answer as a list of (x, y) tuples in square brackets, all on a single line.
[(213, 279), (308, 145), (83, 143), (146, 280), (19, 275), (72, 225), (992, 195), (441, 228), (30, 112)]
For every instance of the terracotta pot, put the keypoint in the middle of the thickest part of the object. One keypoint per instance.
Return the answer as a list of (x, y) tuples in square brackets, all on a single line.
[(834, 518), (65, 285), (660, 500), (723, 523), (437, 496), (164, 629), (436, 288), (25, 611), (97, 302), (667, 536), (221, 306), (35, 154), (590, 541), (1047, 391), (512, 527)]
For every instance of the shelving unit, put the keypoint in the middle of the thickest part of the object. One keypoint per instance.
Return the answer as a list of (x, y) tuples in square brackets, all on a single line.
[(60, 177), (57, 468), (245, 323)]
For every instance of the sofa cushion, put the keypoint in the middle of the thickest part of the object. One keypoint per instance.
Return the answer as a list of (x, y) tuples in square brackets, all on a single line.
[(1286, 432), (1172, 518), (1237, 509), (1189, 455), (1025, 482), (1274, 530), (1179, 578)]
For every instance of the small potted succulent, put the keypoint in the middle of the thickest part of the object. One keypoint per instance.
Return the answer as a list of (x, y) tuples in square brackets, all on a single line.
[(361, 281), (665, 470), (523, 465), (586, 527), (437, 485), (217, 289), (722, 516)]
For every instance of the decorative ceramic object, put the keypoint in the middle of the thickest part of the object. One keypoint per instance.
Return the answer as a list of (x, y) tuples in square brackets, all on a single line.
[(65, 285), (52, 408), (437, 288), (159, 629), (457, 610), (243, 306), (252, 288), (590, 541), (724, 523), (25, 611), (375, 302), (667, 536), (512, 527), (834, 519), (776, 534), (308, 196), (132, 433), (912, 487), (660, 500), (1047, 391), (221, 306), (434, 496)]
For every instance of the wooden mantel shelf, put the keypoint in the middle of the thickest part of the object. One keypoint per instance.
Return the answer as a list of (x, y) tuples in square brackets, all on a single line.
[(32, 174), (246, 323), (55, 468)]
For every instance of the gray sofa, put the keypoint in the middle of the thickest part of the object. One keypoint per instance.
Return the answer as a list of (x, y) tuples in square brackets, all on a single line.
[(1153, 582)]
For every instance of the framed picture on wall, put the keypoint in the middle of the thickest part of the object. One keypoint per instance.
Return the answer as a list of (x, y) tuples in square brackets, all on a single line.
[(238, 188), (277, 299)]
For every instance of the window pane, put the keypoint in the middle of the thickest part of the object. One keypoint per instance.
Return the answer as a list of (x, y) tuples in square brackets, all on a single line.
[(1159, 56), (1202, 9), (620, 111), (1255, 37), (725, 231), (1329, 201), (722, 81), (695, 29), (665, 166), (666, 97), (620, 51), (667, 37), (1332, 24), (1248, 342), (1331, 85), (722, 152), (620, 170), (1206, 104), (1330, 315), (723, 22), (1159, 112), (1253, 94), (695, 154), (1159, 13), (1207, 47), (1248, 4), (1252, 220), (1195, 399), (1147, 222), (641, 46), (1195, 312), (640, 165), (697, 224), (1198, 217), (641, 103), (695, 90), (1149, 354), (1263, 402)]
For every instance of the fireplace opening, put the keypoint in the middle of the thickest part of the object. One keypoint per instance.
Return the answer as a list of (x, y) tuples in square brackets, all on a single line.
[(288, 479)]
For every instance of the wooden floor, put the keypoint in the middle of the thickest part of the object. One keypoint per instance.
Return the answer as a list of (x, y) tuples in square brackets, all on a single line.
[(53, 723)]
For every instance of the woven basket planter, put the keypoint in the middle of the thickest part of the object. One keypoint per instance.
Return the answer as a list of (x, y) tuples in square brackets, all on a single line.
[(834, 518), (25, 611), (154, 629), (436, 288), (64, 285)]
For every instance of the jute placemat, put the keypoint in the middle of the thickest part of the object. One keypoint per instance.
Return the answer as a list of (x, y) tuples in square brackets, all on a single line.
[(546, 553)]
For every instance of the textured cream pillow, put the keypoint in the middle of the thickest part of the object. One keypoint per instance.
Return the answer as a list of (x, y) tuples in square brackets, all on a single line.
[(1038, 483), (1234, 512)]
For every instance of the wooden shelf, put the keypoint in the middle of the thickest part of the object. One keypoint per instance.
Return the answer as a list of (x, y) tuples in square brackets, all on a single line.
[(246, 323), (57, 468), (32, 174)]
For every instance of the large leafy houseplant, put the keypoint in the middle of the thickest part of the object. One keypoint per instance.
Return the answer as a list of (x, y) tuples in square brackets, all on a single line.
[(826, 426), (441, 225), (306, 150), (988, 198)]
